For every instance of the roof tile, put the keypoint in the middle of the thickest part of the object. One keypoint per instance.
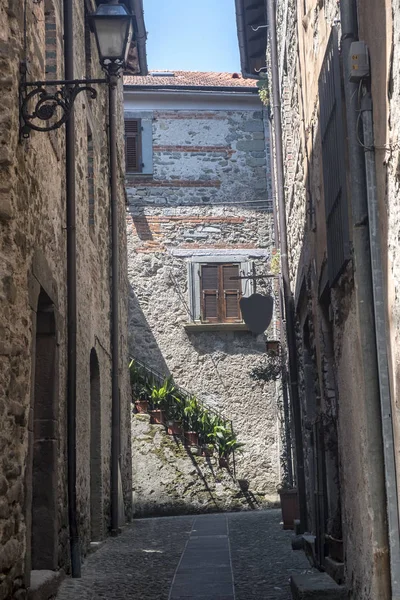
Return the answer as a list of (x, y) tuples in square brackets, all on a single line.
[(191, 78)]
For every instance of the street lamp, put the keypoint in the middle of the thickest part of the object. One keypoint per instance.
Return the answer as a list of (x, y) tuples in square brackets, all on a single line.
[(113, 30), (47, 105)]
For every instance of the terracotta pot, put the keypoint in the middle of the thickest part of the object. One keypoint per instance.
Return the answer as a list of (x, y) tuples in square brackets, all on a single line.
[(191, 438), (289, 507), (174, 428), (142, 406), (207, 451), (223, 462), (157, 417)]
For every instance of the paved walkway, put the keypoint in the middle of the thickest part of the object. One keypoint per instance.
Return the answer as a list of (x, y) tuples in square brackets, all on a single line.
[(234, 556)]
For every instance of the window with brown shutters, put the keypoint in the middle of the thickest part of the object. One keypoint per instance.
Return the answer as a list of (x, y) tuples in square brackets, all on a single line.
[(220, 293), (133, 146)]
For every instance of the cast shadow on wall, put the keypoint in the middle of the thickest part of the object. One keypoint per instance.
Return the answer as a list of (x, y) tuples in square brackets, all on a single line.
[(141, 342)]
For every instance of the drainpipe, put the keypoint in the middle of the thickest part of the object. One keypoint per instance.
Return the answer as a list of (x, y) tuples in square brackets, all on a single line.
[(115, 411), (284, 379), (381, 343), (71, 298), (374, 472), (287, 294)]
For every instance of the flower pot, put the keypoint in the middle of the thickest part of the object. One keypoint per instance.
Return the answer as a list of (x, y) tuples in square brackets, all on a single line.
[(142, 406), (195, 450), (191, 438), (157, 417), (174, 428), (289, 507), (207, 450), (223, 462)]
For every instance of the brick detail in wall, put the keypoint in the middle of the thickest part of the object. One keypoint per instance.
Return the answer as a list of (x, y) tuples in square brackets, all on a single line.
[(51, 45), (188, 219), (194, 149), (154, 246), (183, 115), (143, 182)]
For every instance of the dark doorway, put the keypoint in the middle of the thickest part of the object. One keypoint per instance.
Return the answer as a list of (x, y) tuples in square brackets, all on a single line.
[(44, 536), (96, 491)]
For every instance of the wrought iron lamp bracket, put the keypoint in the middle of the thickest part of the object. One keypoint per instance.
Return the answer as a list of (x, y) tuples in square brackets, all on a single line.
[(51, 102)]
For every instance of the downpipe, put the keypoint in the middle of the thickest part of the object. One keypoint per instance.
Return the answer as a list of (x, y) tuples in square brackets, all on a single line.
[(71, 298)]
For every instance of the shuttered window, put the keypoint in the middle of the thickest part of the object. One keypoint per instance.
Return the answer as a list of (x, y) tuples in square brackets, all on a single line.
[(220, 293), (133, 146), (333, 161)]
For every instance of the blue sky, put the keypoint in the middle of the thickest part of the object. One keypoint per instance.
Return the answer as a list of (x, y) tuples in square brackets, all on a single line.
[(191, 35)]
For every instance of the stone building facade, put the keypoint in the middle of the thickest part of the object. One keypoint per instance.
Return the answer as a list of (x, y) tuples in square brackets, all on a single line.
[(34, 521), (351, 445), (201, 199)]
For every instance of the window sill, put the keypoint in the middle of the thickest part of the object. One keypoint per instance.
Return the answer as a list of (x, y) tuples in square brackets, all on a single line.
[(199, 327)]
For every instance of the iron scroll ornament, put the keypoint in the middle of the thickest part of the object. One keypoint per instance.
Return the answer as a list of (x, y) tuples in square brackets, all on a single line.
[(48, 102)]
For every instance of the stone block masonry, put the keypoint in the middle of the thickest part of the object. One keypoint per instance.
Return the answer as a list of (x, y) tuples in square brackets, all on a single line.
[(34, 532), (207, 200)]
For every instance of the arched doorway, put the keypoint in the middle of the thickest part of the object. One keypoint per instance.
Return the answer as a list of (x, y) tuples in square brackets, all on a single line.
[(44, 532), (96, 487)]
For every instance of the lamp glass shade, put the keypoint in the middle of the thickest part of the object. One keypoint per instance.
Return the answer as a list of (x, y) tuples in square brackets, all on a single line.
[(113, 30)]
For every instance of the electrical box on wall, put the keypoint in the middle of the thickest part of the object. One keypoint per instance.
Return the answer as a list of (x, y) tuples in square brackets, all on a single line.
[(359, 61)]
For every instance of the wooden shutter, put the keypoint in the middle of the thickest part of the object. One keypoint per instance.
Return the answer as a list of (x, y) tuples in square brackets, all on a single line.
[(209, 293), (231, 293), (133, 143), (333, 150)]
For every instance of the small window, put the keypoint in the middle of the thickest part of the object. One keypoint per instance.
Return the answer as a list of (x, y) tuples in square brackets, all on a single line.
[(133, 146), (220, 293)]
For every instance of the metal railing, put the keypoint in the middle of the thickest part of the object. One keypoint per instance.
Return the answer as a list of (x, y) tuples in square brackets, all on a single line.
[(160, 378)]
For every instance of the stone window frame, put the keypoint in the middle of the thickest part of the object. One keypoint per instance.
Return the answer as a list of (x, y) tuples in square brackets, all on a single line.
[(146, 121), (194, 288)]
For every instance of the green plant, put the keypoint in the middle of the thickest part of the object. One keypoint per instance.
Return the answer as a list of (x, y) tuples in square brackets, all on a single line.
[(226, 441), (161, 396), (193, 412), (207, 426), (263, 90), (141, 382), (271, 371)]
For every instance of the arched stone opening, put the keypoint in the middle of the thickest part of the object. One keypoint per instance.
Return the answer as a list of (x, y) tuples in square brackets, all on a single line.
[(96, 486), (44, 532)]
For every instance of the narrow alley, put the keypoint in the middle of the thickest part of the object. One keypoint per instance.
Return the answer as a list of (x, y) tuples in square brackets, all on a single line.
[(241, 556)]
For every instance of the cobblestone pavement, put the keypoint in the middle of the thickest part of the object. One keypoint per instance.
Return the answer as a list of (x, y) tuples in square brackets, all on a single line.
[(163, 559)]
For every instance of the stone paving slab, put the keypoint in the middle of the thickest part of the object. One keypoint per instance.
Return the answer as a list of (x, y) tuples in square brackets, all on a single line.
[(142, 562)]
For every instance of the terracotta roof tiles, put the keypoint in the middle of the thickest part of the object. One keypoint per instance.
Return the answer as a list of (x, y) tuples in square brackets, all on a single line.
[(190, 78)]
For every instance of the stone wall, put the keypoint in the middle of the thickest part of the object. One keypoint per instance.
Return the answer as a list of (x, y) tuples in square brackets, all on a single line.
[(333, 380), (208, 200), (170, 480), (33, 293)]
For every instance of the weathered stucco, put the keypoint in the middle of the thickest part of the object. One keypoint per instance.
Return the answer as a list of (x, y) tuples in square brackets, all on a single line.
[(208, 166)]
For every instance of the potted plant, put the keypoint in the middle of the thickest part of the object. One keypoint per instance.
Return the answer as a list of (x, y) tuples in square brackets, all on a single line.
[(207, 423), (160, 396), (227, 443), (175, 410), (192, 416), (289, 504), (140, 387)]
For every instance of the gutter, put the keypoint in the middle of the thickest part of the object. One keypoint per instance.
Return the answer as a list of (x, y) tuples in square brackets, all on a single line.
[(240, 26), (192, 88)]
